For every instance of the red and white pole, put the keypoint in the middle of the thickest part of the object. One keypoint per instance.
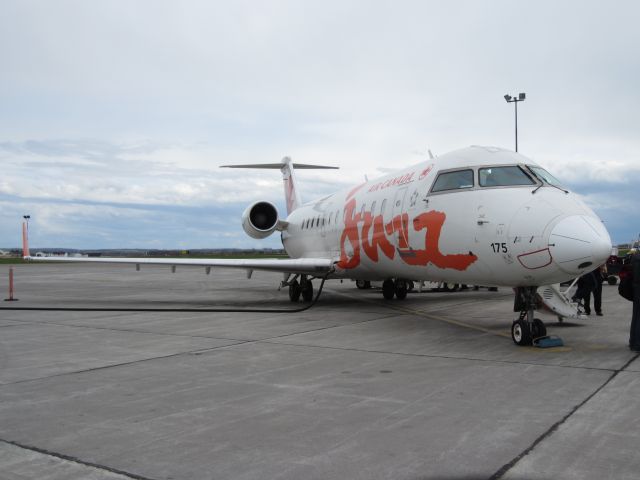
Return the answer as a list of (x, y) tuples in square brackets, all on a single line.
[(11, 299)]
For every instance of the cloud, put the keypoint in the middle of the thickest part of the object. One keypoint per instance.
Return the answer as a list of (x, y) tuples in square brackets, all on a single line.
[(133, 105)]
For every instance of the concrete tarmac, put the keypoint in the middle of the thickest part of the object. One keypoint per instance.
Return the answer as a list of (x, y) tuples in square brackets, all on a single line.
[(354, 388)]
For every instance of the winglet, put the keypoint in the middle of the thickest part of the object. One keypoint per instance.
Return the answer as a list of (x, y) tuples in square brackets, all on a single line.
[(25, 241)]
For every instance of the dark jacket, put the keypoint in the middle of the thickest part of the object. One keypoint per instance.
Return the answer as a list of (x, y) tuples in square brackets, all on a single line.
[(635, 268)]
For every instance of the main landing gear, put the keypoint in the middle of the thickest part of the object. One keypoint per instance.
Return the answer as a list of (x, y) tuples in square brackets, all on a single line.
[(526, 328), (302, 288), (397, 288)]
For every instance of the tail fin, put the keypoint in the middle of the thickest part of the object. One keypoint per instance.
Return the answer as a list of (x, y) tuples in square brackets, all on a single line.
[(291, 192), (25, 240)]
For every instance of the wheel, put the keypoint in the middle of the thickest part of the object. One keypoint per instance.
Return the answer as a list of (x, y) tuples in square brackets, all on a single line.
[(363, 284), (520, 333), (401, 289), (612, 279), (560, 319), (388, 289), (294, 291), (307, 291), (493, 289), (410, 286), (538, 328)]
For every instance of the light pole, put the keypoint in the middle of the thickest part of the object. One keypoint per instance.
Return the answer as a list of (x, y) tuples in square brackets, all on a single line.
[(510, 99)]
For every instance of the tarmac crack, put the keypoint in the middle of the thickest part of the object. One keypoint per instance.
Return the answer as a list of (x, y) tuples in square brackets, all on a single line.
[(72, 459), (126, 330), (115, 365), (448, 357), (429, 315), (551, 430)]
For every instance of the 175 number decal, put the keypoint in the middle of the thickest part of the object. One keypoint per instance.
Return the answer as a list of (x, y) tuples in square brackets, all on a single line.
[(499, 247)]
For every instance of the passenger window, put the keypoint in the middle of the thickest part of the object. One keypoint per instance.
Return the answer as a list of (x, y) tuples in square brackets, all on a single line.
[(373, 209), (330, 218), (312, 222), (382, 207), (362, 210), (456, 180), (503, 176)]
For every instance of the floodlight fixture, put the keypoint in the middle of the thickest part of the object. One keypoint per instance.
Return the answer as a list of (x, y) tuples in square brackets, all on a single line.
[(520, 98)]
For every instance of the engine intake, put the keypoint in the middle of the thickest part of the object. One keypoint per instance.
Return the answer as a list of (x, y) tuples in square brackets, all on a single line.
[(260, 219)]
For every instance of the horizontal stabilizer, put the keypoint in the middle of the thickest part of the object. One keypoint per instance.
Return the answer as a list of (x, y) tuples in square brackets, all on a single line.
[(287, 167), (278, 166)]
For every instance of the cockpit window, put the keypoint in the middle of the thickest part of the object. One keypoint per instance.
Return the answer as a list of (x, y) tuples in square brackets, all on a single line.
[(455, 180), (503, 176), (545, 176)]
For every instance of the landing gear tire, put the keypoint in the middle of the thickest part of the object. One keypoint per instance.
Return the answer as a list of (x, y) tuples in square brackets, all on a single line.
[(612, 279), (538, 328), (410, 286), (450, 287), (388, 289), (401, 289), (307, 291), (294, 291), (520, 333), (363, 284)]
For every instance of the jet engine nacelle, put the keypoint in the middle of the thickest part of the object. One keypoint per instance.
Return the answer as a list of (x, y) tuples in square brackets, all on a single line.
[(260, 219)]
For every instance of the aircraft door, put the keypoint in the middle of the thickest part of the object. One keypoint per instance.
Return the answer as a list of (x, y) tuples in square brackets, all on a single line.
[(491, 230), (323, 224), (399, 221)]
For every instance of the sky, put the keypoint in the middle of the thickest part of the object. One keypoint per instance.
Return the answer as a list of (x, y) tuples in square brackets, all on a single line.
[(115, 116)]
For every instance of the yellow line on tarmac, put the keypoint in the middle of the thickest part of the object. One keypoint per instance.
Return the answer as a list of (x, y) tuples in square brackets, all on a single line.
[(427, 315)]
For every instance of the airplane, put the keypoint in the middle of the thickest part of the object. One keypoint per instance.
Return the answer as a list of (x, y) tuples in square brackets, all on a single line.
[(478, 215)]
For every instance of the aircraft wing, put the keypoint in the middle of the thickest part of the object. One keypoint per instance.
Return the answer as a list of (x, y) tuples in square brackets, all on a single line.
[(306, 266)]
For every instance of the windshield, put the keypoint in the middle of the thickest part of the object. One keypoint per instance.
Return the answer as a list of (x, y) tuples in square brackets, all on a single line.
[(545, 176), (503, 176), (453, 180)]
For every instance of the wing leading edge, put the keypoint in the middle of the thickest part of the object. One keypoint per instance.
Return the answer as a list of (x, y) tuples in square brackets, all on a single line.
[(305, 266)]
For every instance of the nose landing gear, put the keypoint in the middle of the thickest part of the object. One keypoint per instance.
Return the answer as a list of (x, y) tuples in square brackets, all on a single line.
[(526, 328)]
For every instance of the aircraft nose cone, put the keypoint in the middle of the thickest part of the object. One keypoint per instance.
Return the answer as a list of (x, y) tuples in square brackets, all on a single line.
[(579, 244)]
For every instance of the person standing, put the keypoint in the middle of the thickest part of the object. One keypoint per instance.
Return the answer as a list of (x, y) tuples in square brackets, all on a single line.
[(586, 284), (595, 279), (634, 333)]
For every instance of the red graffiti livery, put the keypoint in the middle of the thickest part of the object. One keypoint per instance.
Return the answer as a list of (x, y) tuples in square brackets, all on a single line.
[(364, 232)]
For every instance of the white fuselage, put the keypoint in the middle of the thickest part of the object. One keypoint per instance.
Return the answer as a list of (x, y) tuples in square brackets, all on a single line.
[(524, 233)]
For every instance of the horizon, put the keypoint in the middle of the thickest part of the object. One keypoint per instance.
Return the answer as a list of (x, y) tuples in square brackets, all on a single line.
[(117, 115)]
